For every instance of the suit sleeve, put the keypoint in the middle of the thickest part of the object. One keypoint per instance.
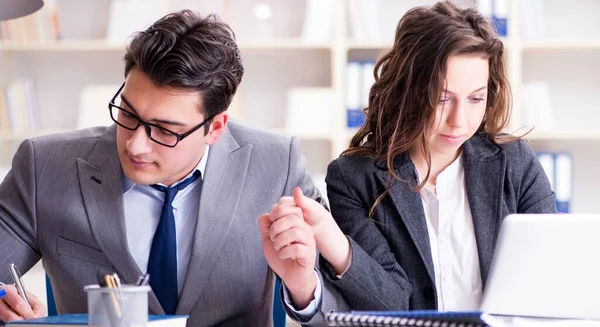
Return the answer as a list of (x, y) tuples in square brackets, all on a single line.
[(18, 243), (536, 195), (374, 280), (298, 175)]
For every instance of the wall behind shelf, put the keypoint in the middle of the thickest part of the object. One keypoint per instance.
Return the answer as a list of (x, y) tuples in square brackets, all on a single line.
[(59, 78), (566, 19), (269, 74), (574, 80)]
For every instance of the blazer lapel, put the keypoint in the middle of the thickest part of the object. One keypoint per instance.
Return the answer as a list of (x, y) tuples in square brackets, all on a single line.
[(100, 179), (410, 207), (484, 175), (221, 190)]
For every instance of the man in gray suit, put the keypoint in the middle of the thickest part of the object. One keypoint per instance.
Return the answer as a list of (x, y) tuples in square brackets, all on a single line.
[(173, 188)]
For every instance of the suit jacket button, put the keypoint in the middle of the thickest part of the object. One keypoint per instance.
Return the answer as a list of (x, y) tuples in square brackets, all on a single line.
[(428, 293)]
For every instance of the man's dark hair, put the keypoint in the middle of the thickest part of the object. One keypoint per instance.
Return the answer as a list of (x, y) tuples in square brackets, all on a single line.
[(189, 52)]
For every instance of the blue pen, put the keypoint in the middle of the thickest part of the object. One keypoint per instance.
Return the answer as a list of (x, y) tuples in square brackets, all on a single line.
[(2, 293)]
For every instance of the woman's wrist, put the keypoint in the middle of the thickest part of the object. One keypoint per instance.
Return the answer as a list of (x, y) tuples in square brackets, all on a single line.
[(334, 247)]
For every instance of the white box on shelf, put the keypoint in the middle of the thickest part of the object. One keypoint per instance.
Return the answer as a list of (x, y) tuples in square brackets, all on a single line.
[(538, 106), (129, 16), (532, 19), (93, 105), (309, 110), (318, 22)]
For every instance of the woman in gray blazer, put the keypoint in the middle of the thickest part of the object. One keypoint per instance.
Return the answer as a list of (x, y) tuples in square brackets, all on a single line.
[(423, 188)]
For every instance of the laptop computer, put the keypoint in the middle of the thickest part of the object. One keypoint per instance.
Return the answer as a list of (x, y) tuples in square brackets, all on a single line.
[(546, 265)]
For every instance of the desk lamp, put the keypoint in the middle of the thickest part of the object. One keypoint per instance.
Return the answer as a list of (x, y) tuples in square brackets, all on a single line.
[(10, 9)]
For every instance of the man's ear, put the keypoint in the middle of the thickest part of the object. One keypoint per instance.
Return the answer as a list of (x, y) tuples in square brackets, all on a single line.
[(217, 128)]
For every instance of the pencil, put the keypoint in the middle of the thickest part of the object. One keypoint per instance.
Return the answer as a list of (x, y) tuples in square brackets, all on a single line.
[(110, 283)]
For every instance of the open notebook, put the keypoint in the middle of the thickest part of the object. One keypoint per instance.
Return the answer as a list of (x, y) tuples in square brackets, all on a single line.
[(430, 318)]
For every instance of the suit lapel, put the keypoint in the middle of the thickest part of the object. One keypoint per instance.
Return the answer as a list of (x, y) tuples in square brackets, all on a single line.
[(484, 174), (221, 190), (100, 180), (410, 208)]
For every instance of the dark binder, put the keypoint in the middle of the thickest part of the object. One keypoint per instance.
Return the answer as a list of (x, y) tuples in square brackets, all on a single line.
[(424, 318)]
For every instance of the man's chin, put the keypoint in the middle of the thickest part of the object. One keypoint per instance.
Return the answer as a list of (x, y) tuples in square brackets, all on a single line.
[(141, 177)]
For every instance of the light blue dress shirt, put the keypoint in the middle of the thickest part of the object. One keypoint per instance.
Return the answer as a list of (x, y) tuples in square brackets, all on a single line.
[(143, 205)]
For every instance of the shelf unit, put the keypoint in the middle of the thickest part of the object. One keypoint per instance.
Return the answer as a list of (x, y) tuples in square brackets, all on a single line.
[(566, 58)]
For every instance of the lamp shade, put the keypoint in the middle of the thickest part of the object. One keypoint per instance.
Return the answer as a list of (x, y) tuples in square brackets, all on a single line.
[(10, 9)]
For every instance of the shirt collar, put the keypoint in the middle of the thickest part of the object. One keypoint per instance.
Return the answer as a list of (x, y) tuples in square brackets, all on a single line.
[(129, 184), (451, 172)]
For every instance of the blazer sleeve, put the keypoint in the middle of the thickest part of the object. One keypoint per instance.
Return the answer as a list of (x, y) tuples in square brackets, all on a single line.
[(18, 243), (374, 280), (298, 175), (536, 195)]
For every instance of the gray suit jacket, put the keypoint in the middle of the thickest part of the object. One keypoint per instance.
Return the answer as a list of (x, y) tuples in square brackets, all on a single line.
[(51, 208), (391, 265)]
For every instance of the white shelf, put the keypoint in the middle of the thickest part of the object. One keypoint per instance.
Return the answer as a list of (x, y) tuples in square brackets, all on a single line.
[(102, 45), (362, 45), (576, 44), (324, 136), (71, 45), (359, 45), (282, 44), (564, 136), (18, 136)]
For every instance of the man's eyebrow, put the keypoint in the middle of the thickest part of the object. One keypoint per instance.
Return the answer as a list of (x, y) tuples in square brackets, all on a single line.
[(128, 104), (162, 121)]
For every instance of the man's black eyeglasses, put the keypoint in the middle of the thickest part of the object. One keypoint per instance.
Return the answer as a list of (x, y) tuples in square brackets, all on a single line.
[(130, 121)]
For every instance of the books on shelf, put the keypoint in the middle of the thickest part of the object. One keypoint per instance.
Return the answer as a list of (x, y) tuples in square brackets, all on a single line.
[(497, 11), (81, 320), (406, 318), (532, 19), (359, 79), (19, 107), (559, 169), (205, 7), (364, 20), (318, 21)]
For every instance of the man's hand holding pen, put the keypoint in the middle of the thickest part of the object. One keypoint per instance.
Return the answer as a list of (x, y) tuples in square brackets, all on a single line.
[(15, 306)]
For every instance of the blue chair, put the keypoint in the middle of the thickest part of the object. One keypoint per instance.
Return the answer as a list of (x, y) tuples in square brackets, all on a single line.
[(50, 298), (278, 312)]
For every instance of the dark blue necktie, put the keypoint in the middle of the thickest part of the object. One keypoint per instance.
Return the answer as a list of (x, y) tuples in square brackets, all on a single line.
[(162, 264)]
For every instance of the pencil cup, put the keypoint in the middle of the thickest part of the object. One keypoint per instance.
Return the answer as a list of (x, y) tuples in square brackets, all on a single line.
[(126, 306)]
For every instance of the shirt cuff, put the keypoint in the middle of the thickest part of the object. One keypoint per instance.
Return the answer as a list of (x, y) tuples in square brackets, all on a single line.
[(312, 308)]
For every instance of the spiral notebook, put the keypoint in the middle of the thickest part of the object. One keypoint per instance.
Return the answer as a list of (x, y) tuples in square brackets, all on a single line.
[(428, 318)]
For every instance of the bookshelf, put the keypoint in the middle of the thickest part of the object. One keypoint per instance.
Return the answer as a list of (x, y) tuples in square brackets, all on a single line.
[(565, 58)]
